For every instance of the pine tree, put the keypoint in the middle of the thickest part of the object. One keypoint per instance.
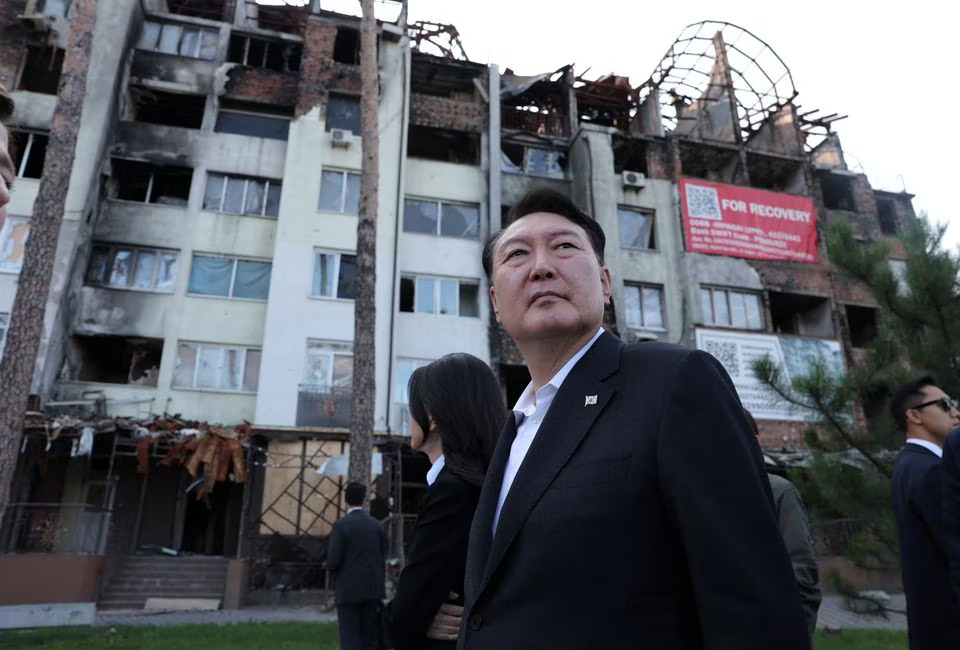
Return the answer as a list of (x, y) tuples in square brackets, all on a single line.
[(852, 437)]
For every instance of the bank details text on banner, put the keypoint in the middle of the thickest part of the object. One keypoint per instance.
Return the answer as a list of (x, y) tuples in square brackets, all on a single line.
[(745, 222)]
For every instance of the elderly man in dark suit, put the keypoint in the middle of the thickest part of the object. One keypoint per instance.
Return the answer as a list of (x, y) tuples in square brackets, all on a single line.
[(927, 415), (626, 504), (357, 554)]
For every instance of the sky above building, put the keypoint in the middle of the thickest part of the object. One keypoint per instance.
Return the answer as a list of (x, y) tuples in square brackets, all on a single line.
[(884, 65)]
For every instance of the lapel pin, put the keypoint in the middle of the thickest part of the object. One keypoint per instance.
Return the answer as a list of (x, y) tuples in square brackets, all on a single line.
[(590, 399)]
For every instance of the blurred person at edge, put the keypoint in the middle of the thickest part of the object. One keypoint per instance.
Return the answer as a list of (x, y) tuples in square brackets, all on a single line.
[(6, 163)]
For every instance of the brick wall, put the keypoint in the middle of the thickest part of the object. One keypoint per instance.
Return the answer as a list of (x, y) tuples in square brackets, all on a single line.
[(260, 85), (445, 113), (319, 73)]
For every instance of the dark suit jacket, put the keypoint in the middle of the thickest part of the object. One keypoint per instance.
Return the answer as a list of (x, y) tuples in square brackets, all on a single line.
[(434, 568), (641, 518), (357, 554), (933, 620), (950, 468)]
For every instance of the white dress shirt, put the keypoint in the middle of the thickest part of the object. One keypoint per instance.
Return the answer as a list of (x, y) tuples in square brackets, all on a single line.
[(435, 470), (932, 446), (531, 408)]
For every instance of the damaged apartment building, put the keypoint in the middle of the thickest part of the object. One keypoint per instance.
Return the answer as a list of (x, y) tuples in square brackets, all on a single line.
[(192, 392)]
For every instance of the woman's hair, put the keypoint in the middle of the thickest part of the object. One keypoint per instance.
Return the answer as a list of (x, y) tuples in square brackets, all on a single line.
[(461, 395), (6, 105)]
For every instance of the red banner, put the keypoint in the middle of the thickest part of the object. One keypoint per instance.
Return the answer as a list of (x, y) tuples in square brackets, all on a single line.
[(745, 222)]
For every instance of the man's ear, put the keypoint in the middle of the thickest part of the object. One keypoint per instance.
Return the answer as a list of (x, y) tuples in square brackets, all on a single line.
[(606, 280), (913, 416), (493, 301)]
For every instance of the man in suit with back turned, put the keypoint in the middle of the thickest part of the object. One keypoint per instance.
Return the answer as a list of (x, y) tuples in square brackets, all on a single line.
[(357, 554), (922, 410), (626, 504)]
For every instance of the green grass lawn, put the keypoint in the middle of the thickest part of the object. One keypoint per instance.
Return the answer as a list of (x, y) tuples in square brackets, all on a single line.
[(316, 636)]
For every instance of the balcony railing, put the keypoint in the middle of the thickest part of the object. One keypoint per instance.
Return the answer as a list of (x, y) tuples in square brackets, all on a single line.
[(323, 406), (517, 119)]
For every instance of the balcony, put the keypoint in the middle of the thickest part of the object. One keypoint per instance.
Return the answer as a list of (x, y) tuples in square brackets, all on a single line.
[(323, 406)]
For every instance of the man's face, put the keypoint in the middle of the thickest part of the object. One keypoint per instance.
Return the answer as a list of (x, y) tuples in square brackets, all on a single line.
[(6, 173), (546, 280), (932, 417)]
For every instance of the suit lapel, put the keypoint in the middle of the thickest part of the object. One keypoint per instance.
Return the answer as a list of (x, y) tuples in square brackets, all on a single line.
[(480, 530), (570, 417)]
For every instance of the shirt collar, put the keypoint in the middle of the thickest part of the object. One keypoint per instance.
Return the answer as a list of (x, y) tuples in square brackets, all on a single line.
[(528, 399), (435, 470), (932, 446), (352, 508)]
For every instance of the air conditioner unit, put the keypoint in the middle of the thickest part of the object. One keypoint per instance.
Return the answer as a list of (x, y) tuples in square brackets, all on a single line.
[(341, 137), (633, 179)]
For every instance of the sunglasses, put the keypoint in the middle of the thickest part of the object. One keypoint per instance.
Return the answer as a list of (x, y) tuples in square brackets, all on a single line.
[(945, 403)]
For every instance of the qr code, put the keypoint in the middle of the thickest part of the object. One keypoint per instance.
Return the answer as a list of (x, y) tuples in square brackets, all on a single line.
[(703, 203), (726, 354)]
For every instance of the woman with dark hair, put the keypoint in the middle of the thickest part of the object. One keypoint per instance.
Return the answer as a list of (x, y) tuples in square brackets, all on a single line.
[(456, 413)]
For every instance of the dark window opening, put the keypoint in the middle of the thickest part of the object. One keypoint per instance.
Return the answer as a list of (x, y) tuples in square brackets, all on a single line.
[(244, 118), (533, 161), (346, 47), (514, 381), (41, 70), (801, 314), (837, 192), (862, 322), (777, 174), (117, 359), (444, 145), (887, 216), (146, 183), (209, 9), (430, 75), (29, 153), (715, 164), (261, 53), (343, 113), (287, 18), (169, 109), (629, 155), (406, 294)]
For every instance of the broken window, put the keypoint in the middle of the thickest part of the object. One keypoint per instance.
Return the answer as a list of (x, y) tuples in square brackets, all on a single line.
[(252, 119), (728, 308), (343, 112), (238, 195), (209, 9), (432, 295), (887, 216), (636, 228), (13, 241), (443, 144), (30, 152), (217, 367), (118, 359), (41, 70), (533, 161), (802, 314), (346, 46), (170, 109), (132, 267), (644, 306), (837, 192), (177, 39), (263, 53), (146, 183), (629, 154), (328, 365), (229, 277), (339, 191), (441, 218), (862, 322), (334, 275)]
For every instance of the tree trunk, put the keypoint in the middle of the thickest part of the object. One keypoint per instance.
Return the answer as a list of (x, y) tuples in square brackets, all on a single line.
[(33, 285), (364, 308)]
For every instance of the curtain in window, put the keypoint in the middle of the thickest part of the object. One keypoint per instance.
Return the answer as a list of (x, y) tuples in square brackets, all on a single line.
[(652, 308), (324, 272), (254, 201), (233, 201), (186, 365), (210, 276), (143, 269), (120, 272), (253, 280), (231, 370), (208, 367), (331, 191), (214, 192), (251, 371)]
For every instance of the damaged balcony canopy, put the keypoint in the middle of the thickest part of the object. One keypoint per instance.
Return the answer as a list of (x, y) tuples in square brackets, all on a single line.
[(538, 104), (719, 81), (436, 39)]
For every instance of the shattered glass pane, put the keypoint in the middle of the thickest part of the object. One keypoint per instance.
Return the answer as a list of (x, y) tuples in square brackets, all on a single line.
[(635, 228), (208, 367), (167, 273), (120, 272), (420, 216), (460, 221), (544, 162), (143, 270)]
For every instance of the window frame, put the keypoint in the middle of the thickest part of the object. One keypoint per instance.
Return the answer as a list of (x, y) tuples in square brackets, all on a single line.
[(344, 175), (330, 350), (640, 286), (651, 238), (267, 183), (152, 171), (113, 248), (27, 149), (183, 26), (233, 277), (437, 293), (223, 347), (317, 252), (711, 319), (440, 203)]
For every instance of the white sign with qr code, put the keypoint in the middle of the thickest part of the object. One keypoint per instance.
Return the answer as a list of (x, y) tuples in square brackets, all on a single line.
[(736, 351)]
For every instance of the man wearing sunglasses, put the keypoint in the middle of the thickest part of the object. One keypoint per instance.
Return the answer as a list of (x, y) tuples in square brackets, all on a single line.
[(925, 413)]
